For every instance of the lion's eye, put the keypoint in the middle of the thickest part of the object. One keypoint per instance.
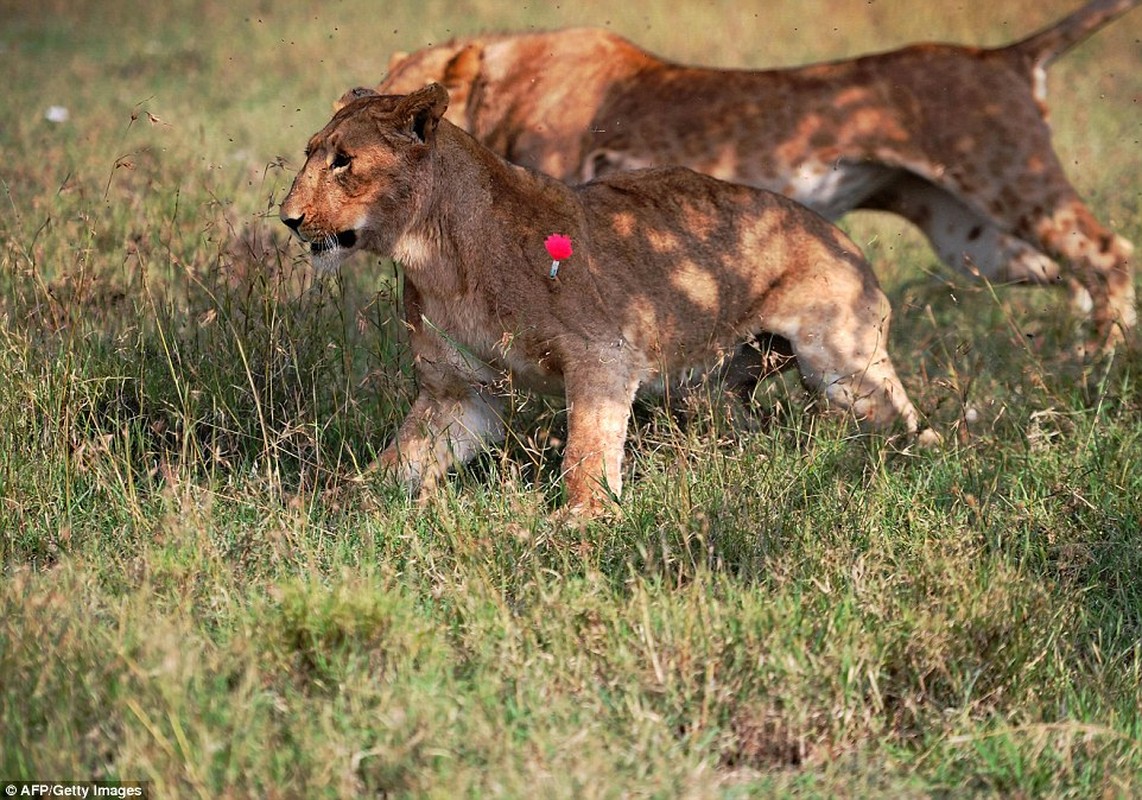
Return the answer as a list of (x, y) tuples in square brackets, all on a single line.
[(340, 161)]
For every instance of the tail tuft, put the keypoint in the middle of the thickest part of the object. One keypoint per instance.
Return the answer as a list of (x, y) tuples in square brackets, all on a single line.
[(1044, 46)]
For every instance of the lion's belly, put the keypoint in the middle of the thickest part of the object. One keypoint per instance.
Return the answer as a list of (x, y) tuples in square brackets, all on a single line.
[(832, 190)]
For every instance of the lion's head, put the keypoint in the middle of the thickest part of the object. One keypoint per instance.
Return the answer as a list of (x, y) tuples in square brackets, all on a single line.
[(365, 173)]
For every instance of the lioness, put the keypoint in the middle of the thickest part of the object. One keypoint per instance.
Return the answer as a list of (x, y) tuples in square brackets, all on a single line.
[(954, 139), (669, 270)]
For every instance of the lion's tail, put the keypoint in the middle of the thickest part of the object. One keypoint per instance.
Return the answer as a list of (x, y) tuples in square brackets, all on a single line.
[(1044, 46)]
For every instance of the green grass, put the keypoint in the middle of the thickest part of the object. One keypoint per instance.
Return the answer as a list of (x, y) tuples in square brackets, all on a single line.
[(195, 593)]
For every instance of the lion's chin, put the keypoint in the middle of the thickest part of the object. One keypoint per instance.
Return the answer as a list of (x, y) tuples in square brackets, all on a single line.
[(327, 254), (329, 259)]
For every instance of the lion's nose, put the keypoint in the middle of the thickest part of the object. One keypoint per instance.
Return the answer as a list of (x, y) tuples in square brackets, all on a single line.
[(294, 223)]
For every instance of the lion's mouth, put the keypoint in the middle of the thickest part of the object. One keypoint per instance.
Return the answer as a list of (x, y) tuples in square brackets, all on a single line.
[(345, 239)]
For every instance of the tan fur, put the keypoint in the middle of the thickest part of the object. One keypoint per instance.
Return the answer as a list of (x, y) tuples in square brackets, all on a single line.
[(671, 271), (954, 139)]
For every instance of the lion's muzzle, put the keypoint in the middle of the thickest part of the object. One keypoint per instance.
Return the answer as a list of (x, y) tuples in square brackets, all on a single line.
[(322, 242), (345, 239)]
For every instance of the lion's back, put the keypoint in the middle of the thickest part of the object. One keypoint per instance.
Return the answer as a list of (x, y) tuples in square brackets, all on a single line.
[(702, 206)]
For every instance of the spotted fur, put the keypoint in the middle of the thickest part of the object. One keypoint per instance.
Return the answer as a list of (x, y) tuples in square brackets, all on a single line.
[(954, 139)]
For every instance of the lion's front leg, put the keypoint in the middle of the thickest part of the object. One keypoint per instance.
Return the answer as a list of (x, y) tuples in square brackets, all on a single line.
[(598, 409), (440, 432)]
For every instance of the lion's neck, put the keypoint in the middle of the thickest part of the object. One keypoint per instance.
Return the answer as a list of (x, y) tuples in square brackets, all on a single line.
[(464, 217), (419, 248)]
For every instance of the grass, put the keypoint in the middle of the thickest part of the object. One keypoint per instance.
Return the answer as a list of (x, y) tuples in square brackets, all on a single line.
[(196, 594)]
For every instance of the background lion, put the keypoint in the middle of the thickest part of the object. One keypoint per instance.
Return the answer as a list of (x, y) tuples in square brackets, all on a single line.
[(953, 139)]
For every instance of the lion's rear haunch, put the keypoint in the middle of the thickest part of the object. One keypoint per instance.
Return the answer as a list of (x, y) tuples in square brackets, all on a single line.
[(669, 271)]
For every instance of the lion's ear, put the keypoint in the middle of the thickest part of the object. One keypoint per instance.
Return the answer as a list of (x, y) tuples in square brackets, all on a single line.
[(351, 95), (423, 109), (464, 67)]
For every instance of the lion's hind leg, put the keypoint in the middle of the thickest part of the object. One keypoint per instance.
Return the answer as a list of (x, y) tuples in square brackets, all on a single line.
[(841, 348)]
